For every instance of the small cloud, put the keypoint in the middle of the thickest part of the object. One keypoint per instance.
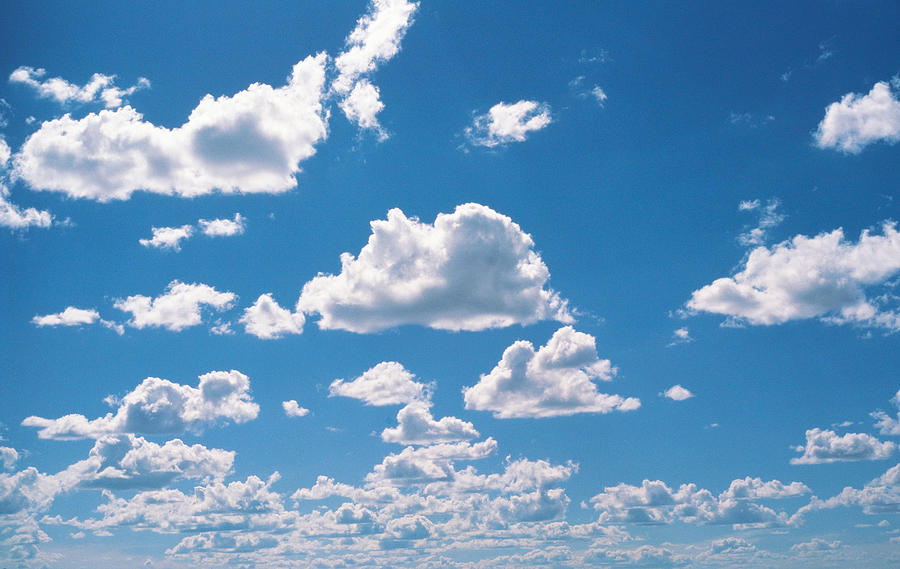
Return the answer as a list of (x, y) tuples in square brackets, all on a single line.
[(293, 409), (681, 336), (599, 94), (677, 393), (168, 237), (505, 123), (223, 227)]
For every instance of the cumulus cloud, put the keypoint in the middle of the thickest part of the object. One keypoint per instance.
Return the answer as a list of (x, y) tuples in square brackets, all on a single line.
[(362, 106), (293, 409), (387, 383), (71, 316), (643, 556), (677, 393), (266, 319), (15, 217), (886, 424), (880, 496), (681, 336), (168, 237), (223, 227), (5, 151), (159, 406), (807, 277), (427, 464), (555, 380), (857, 120), (471, 270), (249, 142), (505, 123), (178, 308), (100, 88), (826, 446), (418, 427), (8, 457)]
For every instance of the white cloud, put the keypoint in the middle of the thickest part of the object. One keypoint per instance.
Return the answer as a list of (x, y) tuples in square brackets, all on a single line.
[(858, 120), (643, 556), (5, 152), (250, 142), (223, 227), (826, 446), (508, 123), (14, 217), (168, 237), (159, 406), (8, 457), (266, 319), (808, 277), (599, 95), (99, 88), (427, 464), (293, 409), (387, 383), (418, 427), (552, 381), (473, 269), (816, 544), (886, 424), (681, 336), (880, 496), (677, 393), (769, 217), (71, 316), (178, 308), (410, 527), (362, 106)]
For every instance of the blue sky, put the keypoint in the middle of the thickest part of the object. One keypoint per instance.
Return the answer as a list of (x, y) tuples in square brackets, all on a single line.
[(448, 284)]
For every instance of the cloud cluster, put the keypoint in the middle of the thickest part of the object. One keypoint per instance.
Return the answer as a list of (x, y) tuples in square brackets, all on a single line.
[(171, 237), (769, 217), (100, 88), (159, 406), (886, 424), (806, 277), (178, 308), (472, 269), (826, 446), (73, 316), (418, 427), (857, 121), (505, 123), (555, 380), (267, 320)]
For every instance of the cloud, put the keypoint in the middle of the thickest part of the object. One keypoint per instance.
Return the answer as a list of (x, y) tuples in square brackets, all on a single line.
[(471, 270), (857, 121), (808, 277), (815, 545), (769, 217), (362, 106), (880, 496), (553, 381), (599, 95), (677, 393), (178, 308), (387, 383), (99, 88), (267, 320), (14, 217), (826, 446), (418, 427), (508, 123), (293, 409), (681, 336), (223, 227), (159, 406), (8, 457), (250, 142), (168, 237), (886, 424), (71, 316), (5, 151), (643, 556), (427, 464)]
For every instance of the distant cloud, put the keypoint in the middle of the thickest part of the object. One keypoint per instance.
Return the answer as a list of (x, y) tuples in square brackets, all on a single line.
[(821, 277), (472, 269), (293, 409), (178, 308), (8, 457), (878, 497), (15, 217), (857, 121), (555, 380), (168, 237), (267, 320), (99, 88), (72, 316), (599, 95), (681, 336), (769, 217), (159, 406), (223, 227), (418, 427), (387, 383), (886, 424), (677, 393), (823, 446), (505, 123), (362, 106)]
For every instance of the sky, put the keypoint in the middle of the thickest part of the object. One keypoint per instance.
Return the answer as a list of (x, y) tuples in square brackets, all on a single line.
[(450, 284)]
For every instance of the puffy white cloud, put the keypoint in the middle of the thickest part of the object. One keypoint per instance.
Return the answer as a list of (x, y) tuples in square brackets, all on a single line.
[(362, 106), (677, 393), (653, 502), (816, 544), (26, 490), (427, 464), (807, 277), (250, 142), (8, 457), (880, 496), (223, 227), (387, 383), (418, 427), (266, 319), (168, 237), (159, 406), (473, 269), (293, 409), (857, 121), (14, 217), (886, 424), (826, 446), (178, 308), (71, 316), (100, 87), (5, 152), (552, 381), (505, 123), (410, 527), (643, 556)]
